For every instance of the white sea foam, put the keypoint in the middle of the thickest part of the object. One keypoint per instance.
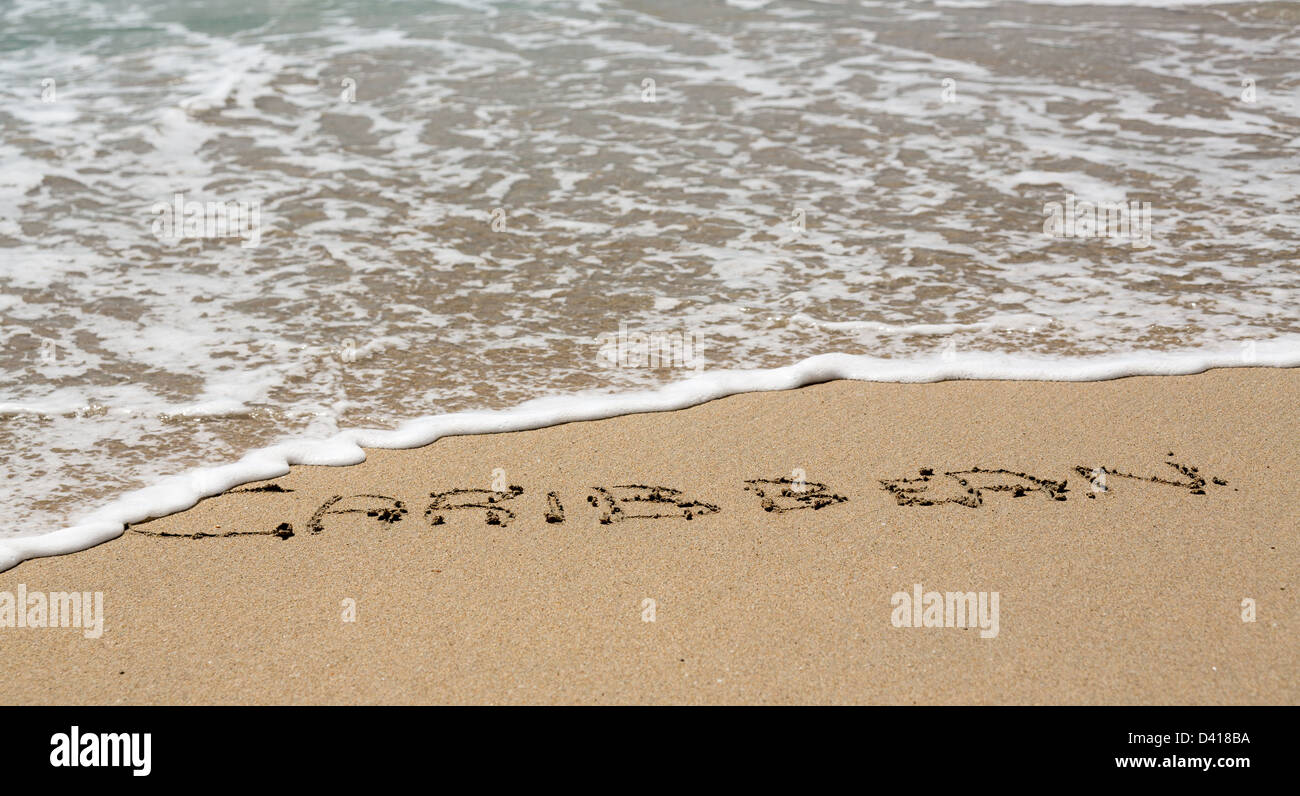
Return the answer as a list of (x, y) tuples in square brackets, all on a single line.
[(181, 492), (382, 289)]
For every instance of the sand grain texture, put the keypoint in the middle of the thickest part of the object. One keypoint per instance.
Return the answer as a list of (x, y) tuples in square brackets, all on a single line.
[(1131, 596)]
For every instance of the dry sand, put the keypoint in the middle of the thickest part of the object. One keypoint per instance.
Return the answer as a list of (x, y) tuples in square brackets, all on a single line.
[(1133, 595)]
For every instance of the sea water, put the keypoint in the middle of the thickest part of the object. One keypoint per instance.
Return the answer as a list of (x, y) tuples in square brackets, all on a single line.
[(244, 235)]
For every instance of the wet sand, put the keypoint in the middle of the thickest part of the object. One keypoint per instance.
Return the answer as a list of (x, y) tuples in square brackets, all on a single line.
[(766, 535)]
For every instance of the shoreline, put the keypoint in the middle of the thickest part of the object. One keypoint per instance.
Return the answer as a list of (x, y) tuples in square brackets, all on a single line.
[(184, 490), (772, 533)]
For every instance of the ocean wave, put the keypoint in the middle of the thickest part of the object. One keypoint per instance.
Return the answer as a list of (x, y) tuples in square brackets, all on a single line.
[(457, 204)]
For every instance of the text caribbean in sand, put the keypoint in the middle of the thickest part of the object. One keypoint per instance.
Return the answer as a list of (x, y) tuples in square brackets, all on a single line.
[(622, 502)]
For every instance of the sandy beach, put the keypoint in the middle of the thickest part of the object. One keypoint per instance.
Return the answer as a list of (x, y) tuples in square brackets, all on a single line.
[(748, 550)]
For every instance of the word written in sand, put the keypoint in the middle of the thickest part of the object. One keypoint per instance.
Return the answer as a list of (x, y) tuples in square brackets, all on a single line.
[(969, 488)]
